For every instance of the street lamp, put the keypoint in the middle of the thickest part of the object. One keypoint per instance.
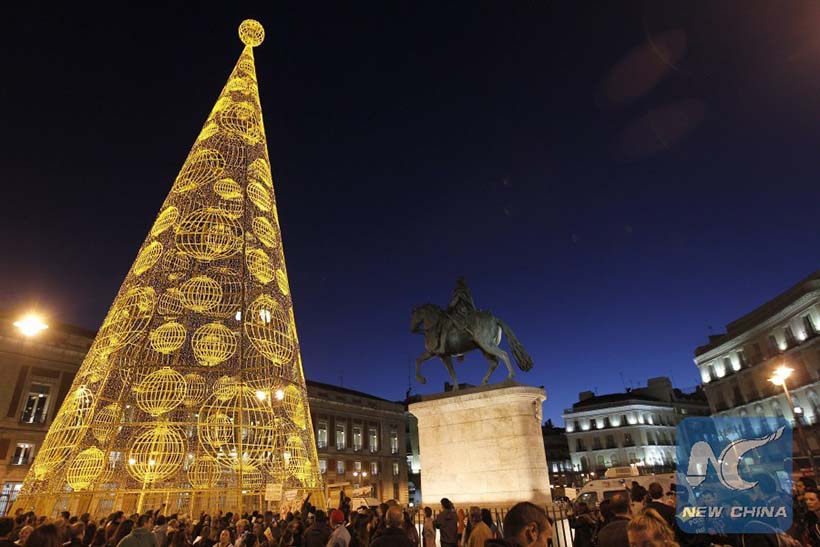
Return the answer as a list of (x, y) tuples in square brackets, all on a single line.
[(30, 325), (779, 379)]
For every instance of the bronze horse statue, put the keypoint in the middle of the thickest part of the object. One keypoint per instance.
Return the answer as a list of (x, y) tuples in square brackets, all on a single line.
[(446, 336)]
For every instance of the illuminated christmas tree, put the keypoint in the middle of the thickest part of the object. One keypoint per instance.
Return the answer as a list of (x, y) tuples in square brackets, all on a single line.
[(192, 393)]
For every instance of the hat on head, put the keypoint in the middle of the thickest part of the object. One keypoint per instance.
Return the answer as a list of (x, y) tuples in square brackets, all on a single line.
[(336, 517)]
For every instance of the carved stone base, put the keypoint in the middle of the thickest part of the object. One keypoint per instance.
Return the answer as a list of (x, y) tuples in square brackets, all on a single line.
[(483, 446)]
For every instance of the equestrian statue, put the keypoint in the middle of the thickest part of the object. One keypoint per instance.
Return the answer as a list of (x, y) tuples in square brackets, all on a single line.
[(462, 328)]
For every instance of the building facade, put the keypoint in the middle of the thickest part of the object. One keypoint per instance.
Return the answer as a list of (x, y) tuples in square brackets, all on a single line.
[(559, 462), (38, 371), (362, 444), (361, 439), (635, 427), (736, 366)]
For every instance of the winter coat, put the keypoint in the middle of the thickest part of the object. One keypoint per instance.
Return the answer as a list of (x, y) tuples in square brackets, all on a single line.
[(139, 537), (447, 522), (392, 537)]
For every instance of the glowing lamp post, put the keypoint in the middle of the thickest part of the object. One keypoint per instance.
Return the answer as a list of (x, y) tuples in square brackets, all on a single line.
[(779, 379), (30, 325)]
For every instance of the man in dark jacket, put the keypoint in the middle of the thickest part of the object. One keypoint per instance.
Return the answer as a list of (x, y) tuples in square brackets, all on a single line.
[(666, 511), (6, 526), (447, 523), (393, 535), (318, 533), (613, 534), (525, 525)]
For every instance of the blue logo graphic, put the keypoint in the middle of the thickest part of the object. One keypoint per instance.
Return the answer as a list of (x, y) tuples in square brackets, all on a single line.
[(734, 475)]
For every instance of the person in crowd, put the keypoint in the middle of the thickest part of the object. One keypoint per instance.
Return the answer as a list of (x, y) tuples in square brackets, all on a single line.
[(807, 527), (655, 493), (604, 513), (90, 530), (613, 534), (46, 535), (123, 529), (410, 529), (241, 529), (225, 538), (650, 529), (177, 538), (6, 528), (340, 537), (487, 518), (584, 524), (318, 533), (99, 537), (393, 533), (461, 529), (75, 533), (140, 535), (428, 530), (22, 537), (525, 525), (479, 531), (447, 524)]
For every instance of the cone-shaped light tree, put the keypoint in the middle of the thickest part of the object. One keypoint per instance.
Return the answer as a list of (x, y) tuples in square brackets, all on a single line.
[(192, 393)]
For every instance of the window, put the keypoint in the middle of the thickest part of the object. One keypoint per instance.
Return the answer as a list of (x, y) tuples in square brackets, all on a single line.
[(808, 324), (628, 440), (340, 467), (357, 438), (579, 445), (374, 440), (8, 495), (395, 469), (322, 466), (600, 461), (396, 491), (610, 441), (357, 466), (596, 443), (36, 407), (394, 442), (773, 350), (321, 435), (789, 334), (340, 437), (374, 468), (22, 454)]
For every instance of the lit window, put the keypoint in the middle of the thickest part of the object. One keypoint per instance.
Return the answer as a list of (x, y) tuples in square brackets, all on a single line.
[(374, 468), (23, 453), (321, 435), (357, 466), (36, 408), (357, 438), (374, 440), (323, 466), (395, 469), (340, 467), (394, 442), (340, 437)]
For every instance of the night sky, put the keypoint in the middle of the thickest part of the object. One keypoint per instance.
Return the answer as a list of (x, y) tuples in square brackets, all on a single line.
[(616, 180)]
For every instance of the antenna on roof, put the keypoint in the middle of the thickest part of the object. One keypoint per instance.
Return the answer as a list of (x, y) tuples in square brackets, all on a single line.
[(621, 374), (342, 378)]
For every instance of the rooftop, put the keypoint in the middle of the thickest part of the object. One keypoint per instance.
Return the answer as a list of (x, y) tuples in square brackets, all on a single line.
[(762, 312)]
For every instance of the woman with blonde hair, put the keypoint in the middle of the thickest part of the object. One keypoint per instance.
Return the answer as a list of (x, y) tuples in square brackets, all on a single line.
[(649, 529)]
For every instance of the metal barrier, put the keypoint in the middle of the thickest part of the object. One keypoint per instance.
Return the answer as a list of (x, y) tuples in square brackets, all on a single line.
[(559, 514)]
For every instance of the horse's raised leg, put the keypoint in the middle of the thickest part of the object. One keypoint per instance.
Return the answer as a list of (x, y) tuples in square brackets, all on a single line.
[(448, 362), (422, 358), (493, 365), (498, 353)]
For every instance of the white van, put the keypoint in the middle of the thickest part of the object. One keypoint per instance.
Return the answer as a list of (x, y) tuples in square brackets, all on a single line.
[(597, 490)]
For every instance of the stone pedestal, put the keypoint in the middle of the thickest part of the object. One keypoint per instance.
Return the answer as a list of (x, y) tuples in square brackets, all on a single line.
[(483, 446)]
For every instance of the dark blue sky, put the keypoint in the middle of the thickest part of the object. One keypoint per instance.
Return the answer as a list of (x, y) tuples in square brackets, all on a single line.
[(612, 180)]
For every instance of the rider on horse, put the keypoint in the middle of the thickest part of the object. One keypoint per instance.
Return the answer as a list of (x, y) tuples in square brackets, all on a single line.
[(458, 312)]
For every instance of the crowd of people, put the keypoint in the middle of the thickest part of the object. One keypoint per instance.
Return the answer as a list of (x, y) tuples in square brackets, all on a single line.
[(647, 517), (636, 517)]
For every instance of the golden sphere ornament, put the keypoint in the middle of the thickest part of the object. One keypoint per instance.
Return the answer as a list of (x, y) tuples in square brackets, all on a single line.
[(213, 343), (160, 391), (85, 469), (204, 472), (156, 453), (251, 32)]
